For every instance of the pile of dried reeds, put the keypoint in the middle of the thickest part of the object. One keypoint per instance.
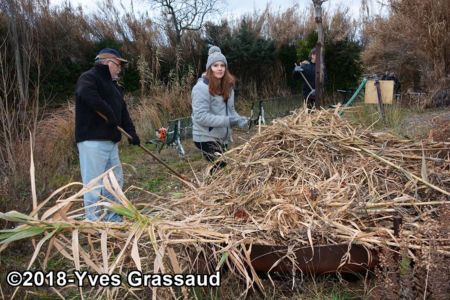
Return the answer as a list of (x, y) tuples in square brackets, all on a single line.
[(313, 178), (308, 179)]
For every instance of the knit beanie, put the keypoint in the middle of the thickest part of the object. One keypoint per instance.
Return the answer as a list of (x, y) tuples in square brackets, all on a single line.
[(215, 55)]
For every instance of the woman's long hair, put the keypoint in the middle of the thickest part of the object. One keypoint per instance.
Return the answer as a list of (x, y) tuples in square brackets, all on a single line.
[(221, 86)]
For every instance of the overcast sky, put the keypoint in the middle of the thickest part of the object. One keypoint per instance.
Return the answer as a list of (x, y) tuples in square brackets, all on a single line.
[(238, 7)]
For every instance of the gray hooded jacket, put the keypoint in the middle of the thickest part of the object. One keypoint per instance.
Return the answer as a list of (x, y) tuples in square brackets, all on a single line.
[(211, 115)]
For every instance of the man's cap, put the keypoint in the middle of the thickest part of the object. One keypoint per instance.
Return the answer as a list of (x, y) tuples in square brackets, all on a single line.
[(106, 53)]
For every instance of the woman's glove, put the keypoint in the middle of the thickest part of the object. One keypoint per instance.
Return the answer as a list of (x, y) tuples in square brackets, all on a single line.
[(239, 121), (234, 120), (243, 122)]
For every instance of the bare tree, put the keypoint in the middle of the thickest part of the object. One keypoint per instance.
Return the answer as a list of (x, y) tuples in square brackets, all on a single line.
[(364, 13), (183, 16), (186, 15)]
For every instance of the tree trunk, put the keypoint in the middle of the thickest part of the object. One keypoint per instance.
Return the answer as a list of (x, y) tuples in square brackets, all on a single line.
[(319, 72), (319, 51), (178, 51)]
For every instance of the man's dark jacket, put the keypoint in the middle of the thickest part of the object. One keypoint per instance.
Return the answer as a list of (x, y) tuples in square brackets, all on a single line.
[(310, 75), (309, 71), (97, 92)]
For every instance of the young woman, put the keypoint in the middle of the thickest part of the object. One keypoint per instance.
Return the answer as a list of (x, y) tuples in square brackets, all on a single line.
[(213, 112)]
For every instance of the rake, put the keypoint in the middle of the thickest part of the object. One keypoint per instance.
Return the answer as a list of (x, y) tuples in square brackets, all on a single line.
[(183, 179)]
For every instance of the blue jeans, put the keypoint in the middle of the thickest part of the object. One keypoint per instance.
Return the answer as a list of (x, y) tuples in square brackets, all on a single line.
[(96, 157)]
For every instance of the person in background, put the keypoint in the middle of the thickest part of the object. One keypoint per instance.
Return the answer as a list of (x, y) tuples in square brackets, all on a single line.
[(213, 111), (308, 69), (391, 76), (97, 96)]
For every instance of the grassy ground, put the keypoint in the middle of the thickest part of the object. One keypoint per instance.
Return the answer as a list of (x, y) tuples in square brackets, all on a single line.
[(409, 122)]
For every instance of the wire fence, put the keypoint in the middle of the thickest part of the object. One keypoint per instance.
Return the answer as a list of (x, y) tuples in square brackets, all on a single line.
[(185, 127), (263, 111), (268, 109)]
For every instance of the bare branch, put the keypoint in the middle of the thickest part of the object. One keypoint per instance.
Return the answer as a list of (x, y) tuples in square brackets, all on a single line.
[(187, 15)]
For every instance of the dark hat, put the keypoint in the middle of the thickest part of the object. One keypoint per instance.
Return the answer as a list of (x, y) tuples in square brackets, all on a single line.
[(106, 53)]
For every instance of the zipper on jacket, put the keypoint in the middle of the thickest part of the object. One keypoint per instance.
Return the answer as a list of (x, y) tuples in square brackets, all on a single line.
[(226, 113)]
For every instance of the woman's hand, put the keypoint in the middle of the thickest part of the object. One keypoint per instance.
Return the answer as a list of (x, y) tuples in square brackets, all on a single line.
[(239, 121)]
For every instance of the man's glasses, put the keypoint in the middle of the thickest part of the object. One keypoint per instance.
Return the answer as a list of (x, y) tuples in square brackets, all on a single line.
[(117, 65)]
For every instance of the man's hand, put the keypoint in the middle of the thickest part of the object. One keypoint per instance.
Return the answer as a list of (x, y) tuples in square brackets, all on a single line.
[(134, 139)]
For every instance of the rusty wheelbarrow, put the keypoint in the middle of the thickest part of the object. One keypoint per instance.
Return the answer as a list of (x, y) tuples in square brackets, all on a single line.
[(316, 260)]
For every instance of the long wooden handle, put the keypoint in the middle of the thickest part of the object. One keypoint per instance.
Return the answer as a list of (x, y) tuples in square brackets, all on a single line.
[(178, 175)]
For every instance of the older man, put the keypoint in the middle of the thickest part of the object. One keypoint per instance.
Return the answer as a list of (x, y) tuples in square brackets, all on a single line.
[(97, 96)]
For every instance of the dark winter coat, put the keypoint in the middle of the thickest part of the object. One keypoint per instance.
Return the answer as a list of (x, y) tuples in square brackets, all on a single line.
[(97, 92), (309, 71)]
